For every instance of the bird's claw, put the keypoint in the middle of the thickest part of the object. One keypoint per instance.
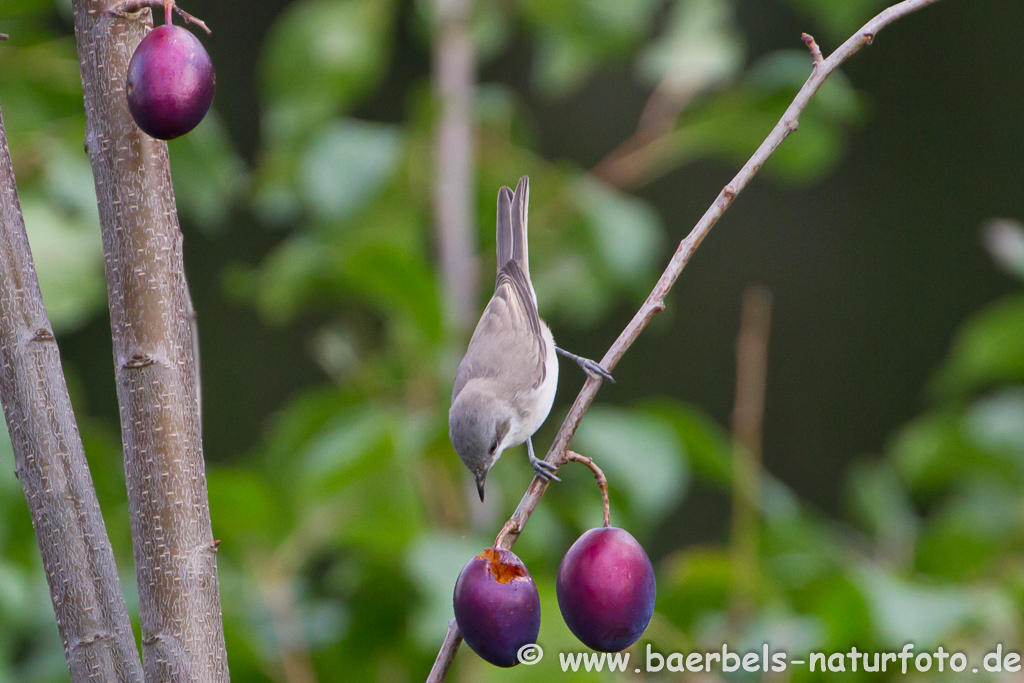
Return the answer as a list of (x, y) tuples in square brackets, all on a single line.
[(594, 369), (544, 469)]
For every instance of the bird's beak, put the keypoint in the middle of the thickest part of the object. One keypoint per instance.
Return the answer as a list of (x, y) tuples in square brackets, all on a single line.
[(481, 479)]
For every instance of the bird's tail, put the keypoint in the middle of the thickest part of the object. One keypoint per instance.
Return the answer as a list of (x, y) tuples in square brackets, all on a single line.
[(512, 224)]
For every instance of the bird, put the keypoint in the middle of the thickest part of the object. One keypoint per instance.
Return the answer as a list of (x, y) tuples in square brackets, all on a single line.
[(505, 384)]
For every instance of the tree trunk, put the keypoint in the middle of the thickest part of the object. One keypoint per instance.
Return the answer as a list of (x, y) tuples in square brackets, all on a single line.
[(50, 463), (175, 554)]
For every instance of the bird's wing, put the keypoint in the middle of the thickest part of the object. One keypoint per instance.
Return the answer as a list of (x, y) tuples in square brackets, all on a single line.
[(508, 344)]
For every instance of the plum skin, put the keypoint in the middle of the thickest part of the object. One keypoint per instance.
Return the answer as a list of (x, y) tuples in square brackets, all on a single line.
[(170, 82), (497, 606), (606, 589)]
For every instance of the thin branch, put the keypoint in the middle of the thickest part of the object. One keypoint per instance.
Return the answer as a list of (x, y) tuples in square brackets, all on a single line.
[(656, 299), (51, 466), (446, 655), (175, 554), (747, 418), (123, 9), (454, 74)]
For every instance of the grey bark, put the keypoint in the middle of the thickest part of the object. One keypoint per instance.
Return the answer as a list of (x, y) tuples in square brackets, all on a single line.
[(154, 362), (51, 465)]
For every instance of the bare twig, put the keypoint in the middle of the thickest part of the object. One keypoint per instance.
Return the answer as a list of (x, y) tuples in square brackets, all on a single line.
[(813, 47), (656, 299), (454, 67), (446, 655), (175, 554), (122, 9), (51, 466), (747, 418)]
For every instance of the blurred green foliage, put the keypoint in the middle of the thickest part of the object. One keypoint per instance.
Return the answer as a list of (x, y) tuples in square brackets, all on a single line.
[(344, 530)]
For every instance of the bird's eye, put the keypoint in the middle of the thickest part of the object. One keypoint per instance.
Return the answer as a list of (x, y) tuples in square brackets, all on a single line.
[(494, 446)]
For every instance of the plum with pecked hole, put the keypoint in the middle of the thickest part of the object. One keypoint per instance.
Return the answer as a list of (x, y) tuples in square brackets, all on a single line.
[(497, 606)]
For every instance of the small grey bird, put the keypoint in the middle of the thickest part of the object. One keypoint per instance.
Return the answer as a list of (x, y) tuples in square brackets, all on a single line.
[(506, 382)]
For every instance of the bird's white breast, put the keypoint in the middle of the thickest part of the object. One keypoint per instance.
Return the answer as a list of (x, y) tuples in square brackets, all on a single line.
[(540, 399)]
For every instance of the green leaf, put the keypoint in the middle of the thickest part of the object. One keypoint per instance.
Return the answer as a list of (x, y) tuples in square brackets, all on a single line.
[(974, 527), (733, 123), (987, 351), (933, 453), (996, 423), (708, 445), (563, 62), (694, 582), (346, 164), (208, 174), (348, 440), (881, 503), (577, 35), (245, 508), (626, 230), (288, 277), (568, 287), (69, 261), (320, 56), (388, 276), (903, 611), (700, 49), (434, 563)]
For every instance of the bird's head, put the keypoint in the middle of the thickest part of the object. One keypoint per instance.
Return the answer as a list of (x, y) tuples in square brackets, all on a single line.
[(478, 426)]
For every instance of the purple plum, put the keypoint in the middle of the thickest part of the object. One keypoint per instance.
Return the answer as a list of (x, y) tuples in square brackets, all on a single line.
[(606, 589), (170, 82), (496, 606)]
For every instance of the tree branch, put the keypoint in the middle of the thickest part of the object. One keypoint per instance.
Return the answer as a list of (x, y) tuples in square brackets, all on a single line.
[(446, 655), (454, 66), (175, 554), (51, 466), (656, 299)]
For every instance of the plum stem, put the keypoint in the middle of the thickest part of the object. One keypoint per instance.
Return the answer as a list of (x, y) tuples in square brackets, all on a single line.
[(602, 481), (168, 12), (122, 9), (510, 527)]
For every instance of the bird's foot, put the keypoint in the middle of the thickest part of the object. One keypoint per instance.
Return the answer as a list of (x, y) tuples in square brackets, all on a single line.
[(591, 367), (541, 468), (544, 469)]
